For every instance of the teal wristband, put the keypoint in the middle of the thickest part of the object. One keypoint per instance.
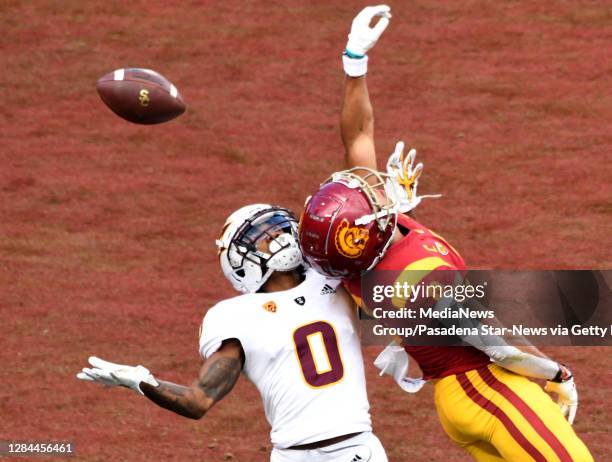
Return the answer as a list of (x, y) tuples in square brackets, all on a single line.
[(352, 55)]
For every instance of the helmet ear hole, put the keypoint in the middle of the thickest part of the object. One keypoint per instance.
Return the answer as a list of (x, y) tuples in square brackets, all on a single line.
[(240, 273)]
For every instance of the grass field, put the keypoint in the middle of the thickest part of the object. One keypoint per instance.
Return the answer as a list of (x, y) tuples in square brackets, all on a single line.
[(108, 228)]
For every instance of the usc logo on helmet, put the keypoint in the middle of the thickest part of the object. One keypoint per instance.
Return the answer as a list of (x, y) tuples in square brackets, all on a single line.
[(350, 240)]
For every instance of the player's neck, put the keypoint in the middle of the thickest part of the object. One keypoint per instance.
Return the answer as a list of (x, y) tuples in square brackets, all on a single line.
[(397, 235), (282, 280)]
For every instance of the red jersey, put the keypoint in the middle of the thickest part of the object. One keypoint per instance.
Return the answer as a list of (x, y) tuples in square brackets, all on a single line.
[(421, 248)]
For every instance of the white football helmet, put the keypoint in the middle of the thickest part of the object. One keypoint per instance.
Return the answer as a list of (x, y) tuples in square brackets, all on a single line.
[(243, 261)]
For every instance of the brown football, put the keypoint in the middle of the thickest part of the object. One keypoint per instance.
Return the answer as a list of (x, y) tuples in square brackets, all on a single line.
[(141, 96)]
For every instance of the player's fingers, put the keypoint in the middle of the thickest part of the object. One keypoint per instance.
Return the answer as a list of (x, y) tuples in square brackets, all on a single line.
[(97, 362), (394, 161), (107, 376), (102, 364), (418, 170), (564, 409), (381, 10), (399, 148), (89, 372), (399, 151), (364, 17), (100, 375), (394, 158), (572, 413), (94, 375), (380, 26), (83, 376), (410, 158)]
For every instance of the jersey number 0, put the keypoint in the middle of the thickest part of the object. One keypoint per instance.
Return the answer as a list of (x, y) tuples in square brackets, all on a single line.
[(317, 350)]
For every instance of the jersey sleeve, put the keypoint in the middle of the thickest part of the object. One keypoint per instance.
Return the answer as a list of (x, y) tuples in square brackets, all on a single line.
[(216, 327)]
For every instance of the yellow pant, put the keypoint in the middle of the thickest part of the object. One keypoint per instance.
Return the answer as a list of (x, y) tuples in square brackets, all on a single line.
[(497, 415)]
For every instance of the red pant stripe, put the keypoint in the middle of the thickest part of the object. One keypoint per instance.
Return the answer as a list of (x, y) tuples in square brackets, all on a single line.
[(491, 407), (538, 425)]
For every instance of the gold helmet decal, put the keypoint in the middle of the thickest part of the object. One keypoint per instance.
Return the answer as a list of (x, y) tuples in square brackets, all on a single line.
[(351, 240), (441, 248)]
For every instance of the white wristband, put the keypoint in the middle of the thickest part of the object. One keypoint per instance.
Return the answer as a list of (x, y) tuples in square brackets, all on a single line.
[(355, 67)]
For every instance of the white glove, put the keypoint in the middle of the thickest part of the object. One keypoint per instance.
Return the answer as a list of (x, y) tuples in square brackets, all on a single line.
[(363, 37), (394, 361), (567, 397), (403, 178), (112, 375)]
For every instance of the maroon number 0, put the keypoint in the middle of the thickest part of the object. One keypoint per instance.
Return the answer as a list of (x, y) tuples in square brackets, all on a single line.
[(312, 374)]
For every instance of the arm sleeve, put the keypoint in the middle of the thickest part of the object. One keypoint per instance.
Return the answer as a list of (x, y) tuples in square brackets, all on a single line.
[(217, 326), (507, 356), (522, 363), (510, 357)]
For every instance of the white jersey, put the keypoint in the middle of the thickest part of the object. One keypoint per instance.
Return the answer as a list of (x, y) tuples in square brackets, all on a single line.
[(302, 352)]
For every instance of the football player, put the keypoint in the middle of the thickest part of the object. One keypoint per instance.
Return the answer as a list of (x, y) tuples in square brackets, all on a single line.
[(292, 333), (357, 221)]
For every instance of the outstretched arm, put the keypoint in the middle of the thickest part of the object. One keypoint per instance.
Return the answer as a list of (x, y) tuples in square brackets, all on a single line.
[(218, 376), (357, 118), (357, 124)]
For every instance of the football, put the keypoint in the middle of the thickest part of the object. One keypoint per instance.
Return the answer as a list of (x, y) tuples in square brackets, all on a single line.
[(141, 96)]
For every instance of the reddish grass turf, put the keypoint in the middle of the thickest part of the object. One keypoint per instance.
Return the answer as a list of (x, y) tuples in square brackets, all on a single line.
[(106, 241)]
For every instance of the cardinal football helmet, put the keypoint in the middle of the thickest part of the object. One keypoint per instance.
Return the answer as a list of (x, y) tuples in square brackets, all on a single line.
[(348, 223), (245, 260)]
